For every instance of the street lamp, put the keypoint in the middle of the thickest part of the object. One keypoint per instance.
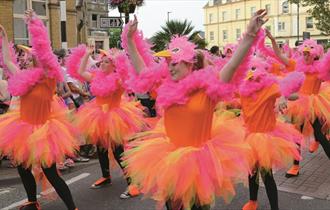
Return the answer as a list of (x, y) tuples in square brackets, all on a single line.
[(168, 16)]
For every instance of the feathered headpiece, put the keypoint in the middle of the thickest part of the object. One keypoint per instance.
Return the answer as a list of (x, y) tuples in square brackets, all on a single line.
[(312, 47)]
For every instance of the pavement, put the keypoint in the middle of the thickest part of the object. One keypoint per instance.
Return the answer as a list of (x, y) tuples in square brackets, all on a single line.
[(10, 175), (310, 190)]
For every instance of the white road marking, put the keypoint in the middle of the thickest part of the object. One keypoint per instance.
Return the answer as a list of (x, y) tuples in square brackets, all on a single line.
[(304, 197), (68, 182)]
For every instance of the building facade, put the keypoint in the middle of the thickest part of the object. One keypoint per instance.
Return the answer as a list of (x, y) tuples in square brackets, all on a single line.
[(226, 20), (69, 22)]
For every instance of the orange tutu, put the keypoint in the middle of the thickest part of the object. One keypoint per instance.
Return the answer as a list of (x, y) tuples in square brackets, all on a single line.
[(276, 149), (38, 145), (307, 108), (188, 174), (104, 126)]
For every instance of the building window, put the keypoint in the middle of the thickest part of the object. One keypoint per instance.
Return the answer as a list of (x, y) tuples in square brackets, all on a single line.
[(94, 1), (309, 22), (211, 36), (224, 16), (225, 34), (253, 11), (21, 35), (94, 21), (285, 7), (281, 26), (238, 33), (237, 13), (210, 18), (102, 1), (267, 7)]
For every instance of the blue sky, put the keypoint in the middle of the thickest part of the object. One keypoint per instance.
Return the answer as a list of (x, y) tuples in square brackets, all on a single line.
[(154, 13)]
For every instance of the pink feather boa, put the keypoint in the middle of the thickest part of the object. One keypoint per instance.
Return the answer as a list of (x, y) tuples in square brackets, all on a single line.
[(42, 48), (74, 60), (324, 68), (23, 81), (250, 87), (303, 67), (170, 92), (104, 84), (149, 78), (143, 47), (291, 83), (12, 56)]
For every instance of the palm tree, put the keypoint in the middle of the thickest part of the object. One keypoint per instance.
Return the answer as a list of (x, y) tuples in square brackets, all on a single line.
[(176, 27)]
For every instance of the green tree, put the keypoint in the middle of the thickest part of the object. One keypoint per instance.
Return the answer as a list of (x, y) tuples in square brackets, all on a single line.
[(176, 27), (114, 39), (320, 11)]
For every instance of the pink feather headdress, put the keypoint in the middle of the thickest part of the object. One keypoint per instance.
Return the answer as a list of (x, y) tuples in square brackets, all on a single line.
[(312, 47)]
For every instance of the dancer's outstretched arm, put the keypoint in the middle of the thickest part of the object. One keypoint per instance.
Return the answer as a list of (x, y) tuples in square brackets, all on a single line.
[(255, 24), (6, 52), (277, 50)]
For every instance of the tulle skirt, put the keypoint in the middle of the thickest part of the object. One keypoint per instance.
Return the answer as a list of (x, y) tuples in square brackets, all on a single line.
[(308, 108), (276, 149), (38, 145), (188, 174), (106, 126)]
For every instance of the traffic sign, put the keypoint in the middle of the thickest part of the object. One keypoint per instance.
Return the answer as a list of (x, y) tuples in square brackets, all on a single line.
[(111, 22)]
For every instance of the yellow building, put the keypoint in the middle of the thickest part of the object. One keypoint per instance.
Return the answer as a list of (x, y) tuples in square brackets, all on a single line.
[(226, 20), (69, 22)]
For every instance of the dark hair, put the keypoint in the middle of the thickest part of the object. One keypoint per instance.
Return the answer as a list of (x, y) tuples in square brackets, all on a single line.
[(214, 49)]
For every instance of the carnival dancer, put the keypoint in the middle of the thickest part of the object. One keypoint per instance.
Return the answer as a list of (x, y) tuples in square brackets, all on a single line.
[(108, 120), (311, 112), (187, 161), (45, 135), (273, 143)]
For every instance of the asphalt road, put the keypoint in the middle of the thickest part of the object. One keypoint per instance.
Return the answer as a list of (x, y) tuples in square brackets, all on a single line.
[(108, 198)]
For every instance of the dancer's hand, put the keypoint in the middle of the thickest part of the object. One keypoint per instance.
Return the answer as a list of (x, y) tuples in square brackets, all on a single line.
[(269, 35), (90, 49), (256, 22), (282, 105), (132, 27), (2, 31), (29, 14)]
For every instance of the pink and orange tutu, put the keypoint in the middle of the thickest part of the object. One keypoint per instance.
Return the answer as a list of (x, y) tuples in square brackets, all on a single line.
[(38, 145), (104, 125), (189, 174)]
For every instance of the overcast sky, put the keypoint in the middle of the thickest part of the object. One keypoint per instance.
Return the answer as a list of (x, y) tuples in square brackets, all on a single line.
[(153, 13)]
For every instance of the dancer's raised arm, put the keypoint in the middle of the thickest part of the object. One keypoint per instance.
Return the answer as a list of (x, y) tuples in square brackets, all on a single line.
[(6, 52), (255, 24)]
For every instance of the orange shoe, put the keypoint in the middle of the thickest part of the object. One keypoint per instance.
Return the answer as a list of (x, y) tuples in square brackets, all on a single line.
[(314, 145), (132, 191), (251, 205), (292, 172), (101, 182), (30, 206)]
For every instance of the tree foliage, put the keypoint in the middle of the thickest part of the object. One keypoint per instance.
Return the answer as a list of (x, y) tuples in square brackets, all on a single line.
[(176, 27), (114, 37), (320, 11)]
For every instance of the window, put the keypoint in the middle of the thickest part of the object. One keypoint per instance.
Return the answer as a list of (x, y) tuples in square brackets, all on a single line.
[(238, 33), (309, 22), (21, 35), (224, 16), (20, 6), (285, 7), (210, 18), (211, 36), (253, 11), (237, 13), (225, 34), (102, 1), (281, 26), (94, 21), (94, 1), (39, 7), (267, 7)]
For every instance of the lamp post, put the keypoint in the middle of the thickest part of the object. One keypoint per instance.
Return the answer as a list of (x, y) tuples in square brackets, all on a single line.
[(168, 16), (298, 21)]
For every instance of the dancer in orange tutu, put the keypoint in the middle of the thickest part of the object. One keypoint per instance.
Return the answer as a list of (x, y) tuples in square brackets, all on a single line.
[(273, 143), (37, 134), (311, 112), (187, 161), (108, 120)]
